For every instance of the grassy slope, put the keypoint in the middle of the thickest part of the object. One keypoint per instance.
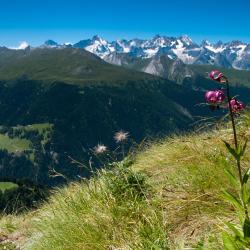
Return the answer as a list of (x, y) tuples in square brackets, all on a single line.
[(40, 127), (16, 144), (7, 185), (237, 77), (13, 145), (70, 65), (184, 206)]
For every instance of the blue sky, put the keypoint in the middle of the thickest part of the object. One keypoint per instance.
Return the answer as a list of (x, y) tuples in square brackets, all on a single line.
[(69, 21)]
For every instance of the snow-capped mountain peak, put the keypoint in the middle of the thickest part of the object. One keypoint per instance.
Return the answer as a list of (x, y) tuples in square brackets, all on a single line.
[(205, 43), (97, 39), (186, 40), (233, 54)]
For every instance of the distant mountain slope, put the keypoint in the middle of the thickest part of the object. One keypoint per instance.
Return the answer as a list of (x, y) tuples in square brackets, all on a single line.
[(162, 66), (175, 70), (61, 64), (236, 77)]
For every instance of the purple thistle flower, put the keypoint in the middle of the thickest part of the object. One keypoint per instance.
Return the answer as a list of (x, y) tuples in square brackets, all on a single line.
[(217, 76), (215, 96), (236, 105)]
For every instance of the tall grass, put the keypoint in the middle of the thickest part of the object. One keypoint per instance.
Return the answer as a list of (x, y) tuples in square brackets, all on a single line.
[(169, 198), (111, 211), (188, 174)]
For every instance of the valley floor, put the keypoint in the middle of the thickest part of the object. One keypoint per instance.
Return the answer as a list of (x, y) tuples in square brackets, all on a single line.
[(169, 198)]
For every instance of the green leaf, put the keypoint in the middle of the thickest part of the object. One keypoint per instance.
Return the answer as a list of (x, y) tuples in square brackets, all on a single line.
[(233, 200), (238, 150), (246, 176), (235, 230), (245, 193), (246, 228), (231, 177), (228, 242), (244, 148), (232, 151)]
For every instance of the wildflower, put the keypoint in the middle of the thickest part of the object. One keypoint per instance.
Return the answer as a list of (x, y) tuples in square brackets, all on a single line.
[(100, 149), (121, 136), (217, 76), (236, 105), (215, 96)]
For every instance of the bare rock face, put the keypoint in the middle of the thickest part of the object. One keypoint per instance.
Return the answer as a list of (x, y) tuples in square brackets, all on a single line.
[(230, 55)]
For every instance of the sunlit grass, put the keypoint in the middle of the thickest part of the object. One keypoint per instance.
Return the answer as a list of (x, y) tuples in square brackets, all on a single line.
[(14, 144), (188, 174), (182, 209), (40, 127), (7, 185), (89, 215)]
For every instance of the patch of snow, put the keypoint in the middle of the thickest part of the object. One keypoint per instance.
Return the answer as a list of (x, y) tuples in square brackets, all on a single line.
[(180, 44), (159, 42), (126, 50), (132, 43), (23, 45), (240, 52), (186, 39), (112, 49), (196, 49), (150, 52), (215, 50), (180, 53), (206, 42), (172, 43)]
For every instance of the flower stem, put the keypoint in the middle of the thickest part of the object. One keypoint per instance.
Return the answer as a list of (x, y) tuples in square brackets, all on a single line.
[(234, 131), (236, 146)]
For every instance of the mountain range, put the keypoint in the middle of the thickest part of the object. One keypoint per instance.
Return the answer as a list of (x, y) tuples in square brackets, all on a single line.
[(235, 54)]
